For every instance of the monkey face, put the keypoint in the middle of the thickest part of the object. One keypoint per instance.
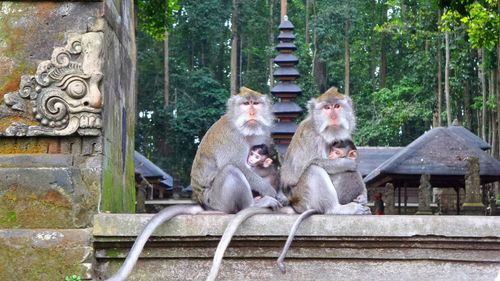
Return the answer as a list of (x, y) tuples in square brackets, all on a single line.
[(250, 113), (332, 112), (251, 107), (255, 158), (336, 153)]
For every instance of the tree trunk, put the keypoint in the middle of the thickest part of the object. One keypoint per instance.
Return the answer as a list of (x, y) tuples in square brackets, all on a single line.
[(447, 77), (166, 77), (319, 67), (467, 100), (498, 95), (283, 9), (240, 61), (383, 54), (234, 49), (439, 78), (271, 42), (491, 116), (306, 34), (347, 58), (482, 79)]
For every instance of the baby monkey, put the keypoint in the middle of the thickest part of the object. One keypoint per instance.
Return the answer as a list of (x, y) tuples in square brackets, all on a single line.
[(348, 185), (260, 161)]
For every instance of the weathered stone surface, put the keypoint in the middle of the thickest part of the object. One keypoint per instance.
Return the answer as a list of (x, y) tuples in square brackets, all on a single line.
[(326, 247), (311, 269), (55, 191), (45, 254), (119, 114), (424, 196), (319, 225)]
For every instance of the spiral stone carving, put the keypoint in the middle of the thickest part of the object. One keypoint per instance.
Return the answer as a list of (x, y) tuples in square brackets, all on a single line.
[(63, 97)]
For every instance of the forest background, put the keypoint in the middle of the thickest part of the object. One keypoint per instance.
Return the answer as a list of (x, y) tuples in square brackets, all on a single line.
[(408, 65)]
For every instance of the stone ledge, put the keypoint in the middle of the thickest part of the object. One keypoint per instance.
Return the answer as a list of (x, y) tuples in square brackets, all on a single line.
[(126, 225), (326, 247)]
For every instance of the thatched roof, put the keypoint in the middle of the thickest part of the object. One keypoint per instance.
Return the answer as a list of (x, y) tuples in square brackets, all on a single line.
[(149, 170), (441, 153), (369, 158), (469, 136)]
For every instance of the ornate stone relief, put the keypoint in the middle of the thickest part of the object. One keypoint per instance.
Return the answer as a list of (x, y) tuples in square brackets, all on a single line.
[(63, 97)]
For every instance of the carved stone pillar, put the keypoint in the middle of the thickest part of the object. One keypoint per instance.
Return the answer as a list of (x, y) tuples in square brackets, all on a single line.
[(473, 204), (424, 196), (389, 199)]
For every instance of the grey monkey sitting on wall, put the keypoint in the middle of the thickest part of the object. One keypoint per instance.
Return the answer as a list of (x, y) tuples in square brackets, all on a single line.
[(307, 172), (349, 185), (220, 177)]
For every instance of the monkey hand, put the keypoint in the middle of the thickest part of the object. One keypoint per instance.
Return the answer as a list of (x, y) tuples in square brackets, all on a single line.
[(352, 208), (281, 197), (361, 199), (267, 202)]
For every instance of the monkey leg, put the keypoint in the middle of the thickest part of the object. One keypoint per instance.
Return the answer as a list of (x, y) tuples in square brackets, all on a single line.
[(230, 191)]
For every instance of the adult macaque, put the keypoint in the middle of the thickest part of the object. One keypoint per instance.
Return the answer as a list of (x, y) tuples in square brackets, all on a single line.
[(263, 165), (349, 186), (306, 169), (220, 176)]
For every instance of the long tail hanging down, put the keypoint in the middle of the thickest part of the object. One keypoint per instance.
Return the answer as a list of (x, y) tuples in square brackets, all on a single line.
[(158, 219), (228, 235), (281, 260)]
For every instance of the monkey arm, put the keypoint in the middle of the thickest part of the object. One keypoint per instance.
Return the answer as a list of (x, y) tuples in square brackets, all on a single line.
[(257, 183), (336, 166)]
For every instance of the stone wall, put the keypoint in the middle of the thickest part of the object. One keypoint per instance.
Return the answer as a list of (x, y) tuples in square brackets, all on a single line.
[(326, 247), (67, 112)]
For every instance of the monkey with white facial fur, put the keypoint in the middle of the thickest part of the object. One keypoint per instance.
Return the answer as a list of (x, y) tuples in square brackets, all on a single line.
[(220, 176), (263, 165), (306, 169)]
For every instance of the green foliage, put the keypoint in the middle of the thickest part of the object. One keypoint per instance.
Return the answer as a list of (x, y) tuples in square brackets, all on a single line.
[(156, 16), (480, 18), (408, 33), (398, 115), (73, 278)]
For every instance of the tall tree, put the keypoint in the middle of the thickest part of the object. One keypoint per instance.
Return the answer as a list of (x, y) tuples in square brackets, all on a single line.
[(447, 77), (234, 48), (347, 55)]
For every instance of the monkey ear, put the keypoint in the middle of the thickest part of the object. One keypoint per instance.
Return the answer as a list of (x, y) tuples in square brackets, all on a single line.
[(353, 154), (311, 104), (267, 162), (349, 100)]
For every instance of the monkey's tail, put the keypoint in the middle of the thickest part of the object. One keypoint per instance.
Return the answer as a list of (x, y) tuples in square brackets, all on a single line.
[(302, 217), (231, 228), (164, 215)]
